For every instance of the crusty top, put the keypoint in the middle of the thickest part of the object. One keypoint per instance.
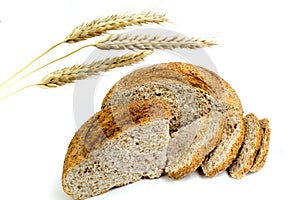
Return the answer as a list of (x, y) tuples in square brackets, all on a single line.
[(174, 72), (177, 72)]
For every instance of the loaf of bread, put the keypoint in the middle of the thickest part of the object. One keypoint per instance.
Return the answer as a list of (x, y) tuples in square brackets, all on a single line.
[(169, 118)]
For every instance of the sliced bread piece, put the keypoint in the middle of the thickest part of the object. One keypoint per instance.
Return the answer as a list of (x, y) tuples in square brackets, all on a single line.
[(261, 156), (190, 144), (251, 144), (233, 134), (196, 117), (117, 146)]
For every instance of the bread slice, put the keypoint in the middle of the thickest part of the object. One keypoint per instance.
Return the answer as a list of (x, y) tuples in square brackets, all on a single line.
[(252, 142), (117, 146), (190, 144), (196, 117), (233, 133), (261, 156)]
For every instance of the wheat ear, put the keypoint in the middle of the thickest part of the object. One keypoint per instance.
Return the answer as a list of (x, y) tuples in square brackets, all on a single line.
[(149, 42), (115, 22), (79, 72), (95, 28)]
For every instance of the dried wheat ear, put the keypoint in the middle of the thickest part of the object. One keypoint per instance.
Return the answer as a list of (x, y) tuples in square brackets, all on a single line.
[(79, 72), (150, 42), (101, 26), (86, 70)]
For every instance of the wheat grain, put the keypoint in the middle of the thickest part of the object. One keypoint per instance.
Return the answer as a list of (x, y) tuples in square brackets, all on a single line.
[(149, 42), (115, 22), (79, 72)]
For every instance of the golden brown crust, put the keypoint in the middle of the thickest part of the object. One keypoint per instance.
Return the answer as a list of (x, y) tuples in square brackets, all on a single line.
[(118, 118), (261, 156), (113, 120), (191, 74), (215, 84), (239, 169), (231, 98)]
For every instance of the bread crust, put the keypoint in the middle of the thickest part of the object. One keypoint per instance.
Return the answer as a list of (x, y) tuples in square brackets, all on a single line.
[(168, 72), (76, 154)]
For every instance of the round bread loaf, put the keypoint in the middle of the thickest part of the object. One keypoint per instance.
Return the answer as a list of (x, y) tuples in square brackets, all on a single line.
[(169, 118)]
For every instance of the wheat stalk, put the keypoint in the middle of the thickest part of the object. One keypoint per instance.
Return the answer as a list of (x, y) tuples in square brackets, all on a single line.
[(149, 42), (79, 72), (115, 22), (30, 63), (95, 28)]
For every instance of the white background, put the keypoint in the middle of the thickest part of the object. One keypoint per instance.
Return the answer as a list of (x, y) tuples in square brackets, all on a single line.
[(258, 54)]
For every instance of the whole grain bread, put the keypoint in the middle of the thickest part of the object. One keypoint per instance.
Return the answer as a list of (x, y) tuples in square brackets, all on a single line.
[(118, 145), (251, 144), (261, 156), (168, 118)]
